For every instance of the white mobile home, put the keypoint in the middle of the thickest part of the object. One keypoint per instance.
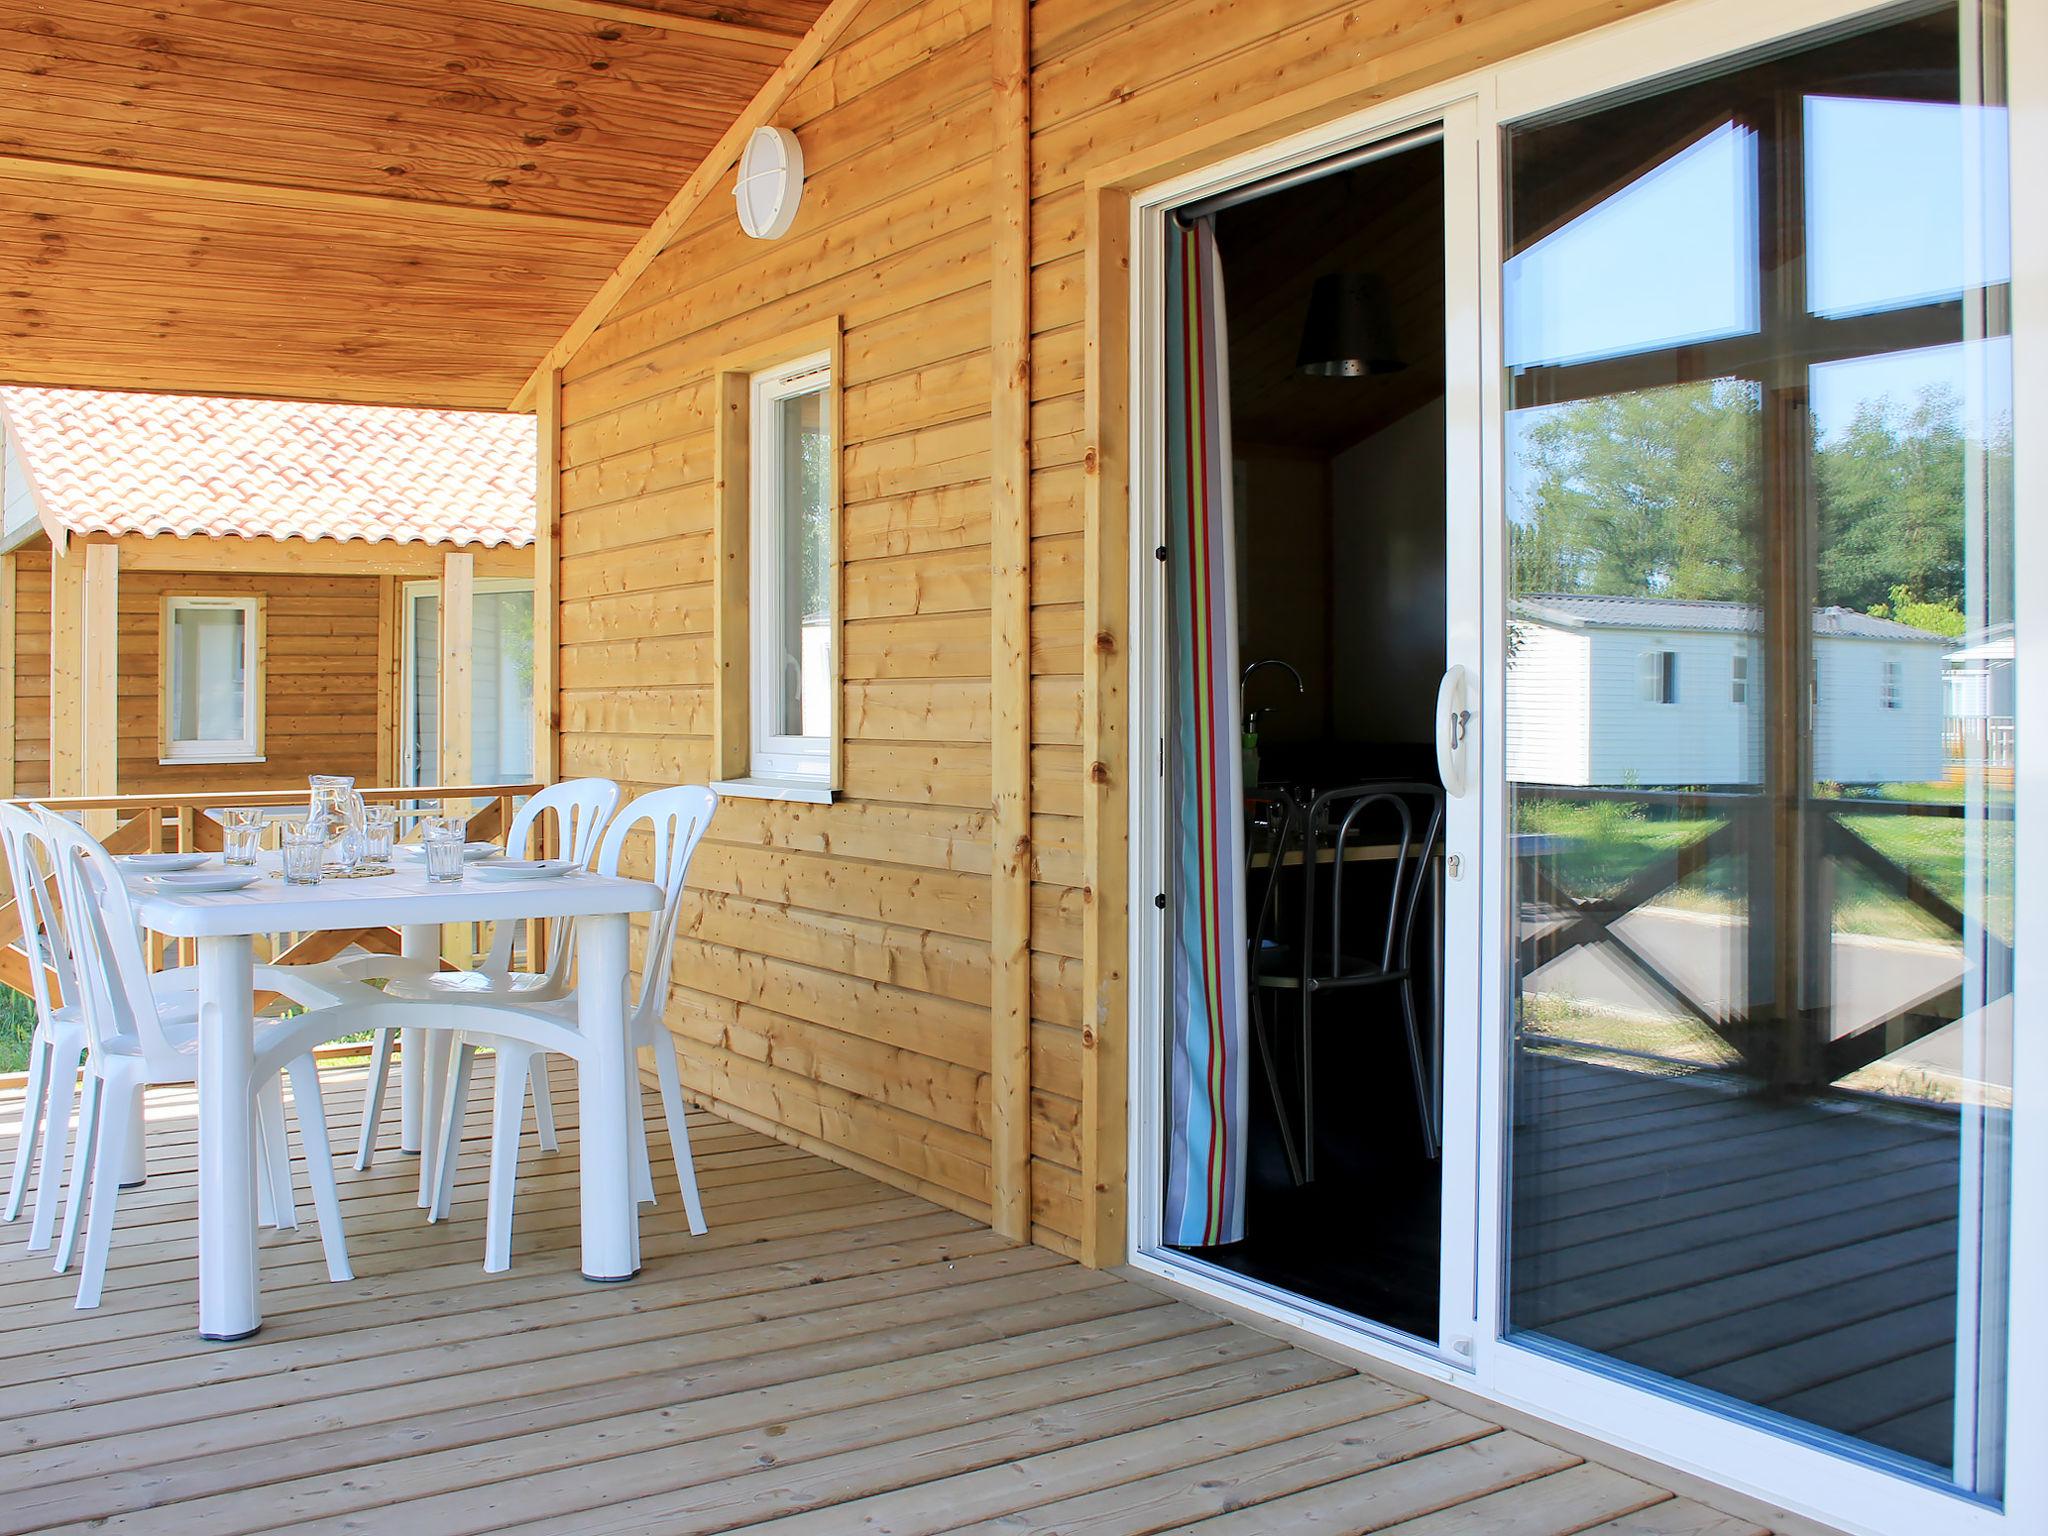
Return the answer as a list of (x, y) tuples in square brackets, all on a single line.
[(1654, 691)]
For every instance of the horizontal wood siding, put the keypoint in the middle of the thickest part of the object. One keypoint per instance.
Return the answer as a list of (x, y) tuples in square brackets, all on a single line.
[(31, 681), (320, 679), (833, 985)]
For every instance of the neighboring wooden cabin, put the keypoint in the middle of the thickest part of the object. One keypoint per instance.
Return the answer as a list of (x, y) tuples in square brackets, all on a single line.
[(152, 596)]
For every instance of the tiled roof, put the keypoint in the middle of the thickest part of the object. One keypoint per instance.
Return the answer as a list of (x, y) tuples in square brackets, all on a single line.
[(1576, 610), (200, 467)]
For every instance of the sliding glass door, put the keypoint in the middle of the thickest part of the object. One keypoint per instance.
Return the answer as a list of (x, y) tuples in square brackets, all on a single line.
[(1759, 741)]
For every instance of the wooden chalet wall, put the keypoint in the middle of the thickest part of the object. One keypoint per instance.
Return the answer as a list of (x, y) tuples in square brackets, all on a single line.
[(31, 678), (833, 984), (320, 679)]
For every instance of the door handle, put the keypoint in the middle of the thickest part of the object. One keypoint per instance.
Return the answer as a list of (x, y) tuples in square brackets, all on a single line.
[(1453, 729)]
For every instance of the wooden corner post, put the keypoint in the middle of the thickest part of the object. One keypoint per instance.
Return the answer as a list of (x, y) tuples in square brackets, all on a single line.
[(458, 645), (1010, 624), (547, 692), (1105, 745)]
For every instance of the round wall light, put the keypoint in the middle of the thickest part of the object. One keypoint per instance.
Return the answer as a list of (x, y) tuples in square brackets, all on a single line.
[(770, 183)]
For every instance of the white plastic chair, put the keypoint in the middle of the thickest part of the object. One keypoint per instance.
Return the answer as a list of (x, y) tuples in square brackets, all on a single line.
[(59, 1040), (581, 808), (520, 1030), (141, 1034)]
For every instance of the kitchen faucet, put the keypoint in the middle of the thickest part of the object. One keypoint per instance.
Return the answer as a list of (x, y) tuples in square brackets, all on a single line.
[(1244, 681)]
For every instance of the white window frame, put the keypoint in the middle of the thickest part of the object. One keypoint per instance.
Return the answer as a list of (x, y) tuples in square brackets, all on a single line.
[(776, 756), (408, 674), (1738, 675), (1892, 683), (248, 747), (1657, 675), (1815, 1479)]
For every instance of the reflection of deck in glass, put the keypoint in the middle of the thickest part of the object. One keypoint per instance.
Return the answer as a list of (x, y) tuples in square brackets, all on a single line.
[(1799, 1255)]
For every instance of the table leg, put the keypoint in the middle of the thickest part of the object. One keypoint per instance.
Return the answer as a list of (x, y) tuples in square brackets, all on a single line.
[(604, 1080), (229, 1304), (417, 941)]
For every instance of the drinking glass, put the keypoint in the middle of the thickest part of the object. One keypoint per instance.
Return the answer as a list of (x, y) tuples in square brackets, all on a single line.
[(243, 838), (304, 849), (445, 842), (380, 831)]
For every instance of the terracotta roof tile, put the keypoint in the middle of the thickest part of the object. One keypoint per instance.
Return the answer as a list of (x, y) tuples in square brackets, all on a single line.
[(200, 467)]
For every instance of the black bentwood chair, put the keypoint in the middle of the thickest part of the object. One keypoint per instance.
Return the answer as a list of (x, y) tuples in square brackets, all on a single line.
[(1363, 867)]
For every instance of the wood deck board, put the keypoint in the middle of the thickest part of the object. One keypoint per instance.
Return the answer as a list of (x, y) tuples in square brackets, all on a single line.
[(1795, 1255), (832, 1355)]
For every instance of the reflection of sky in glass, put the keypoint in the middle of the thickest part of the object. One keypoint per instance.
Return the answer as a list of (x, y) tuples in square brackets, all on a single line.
[(1669, 258), (1888, 202), (1977, 376)]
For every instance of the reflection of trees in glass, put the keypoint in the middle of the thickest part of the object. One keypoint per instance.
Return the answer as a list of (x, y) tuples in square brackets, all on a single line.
[(814, 449), (1655, 494)]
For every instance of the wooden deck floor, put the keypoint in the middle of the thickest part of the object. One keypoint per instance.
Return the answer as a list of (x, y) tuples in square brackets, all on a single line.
[(832, 1357)]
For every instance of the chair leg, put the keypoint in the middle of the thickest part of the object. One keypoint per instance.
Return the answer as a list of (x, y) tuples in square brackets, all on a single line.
[(543, 1101), (1272, 1069), (56, 1143), (275, 1167), (1424, 1109), (84, 1147), (35, 1100), (643, 1162), (675, 1111), (373, 1096), (1308, 1086), (452, 1113), (508, 1112), (313, 1137), (116, 1116)]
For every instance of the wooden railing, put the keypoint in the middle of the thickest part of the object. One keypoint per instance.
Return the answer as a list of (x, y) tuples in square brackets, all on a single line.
[(181, 824)]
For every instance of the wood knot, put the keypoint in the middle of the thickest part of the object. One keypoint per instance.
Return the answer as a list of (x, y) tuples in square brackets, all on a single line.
[(1105, 643), (1098, 773)]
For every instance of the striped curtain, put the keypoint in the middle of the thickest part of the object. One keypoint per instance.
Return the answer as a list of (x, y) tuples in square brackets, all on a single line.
[(1206, 997)]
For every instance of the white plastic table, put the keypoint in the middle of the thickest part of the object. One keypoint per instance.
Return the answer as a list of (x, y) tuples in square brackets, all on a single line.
[(223, 924)]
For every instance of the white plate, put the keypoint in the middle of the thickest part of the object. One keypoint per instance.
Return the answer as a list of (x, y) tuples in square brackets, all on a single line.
[(471, 852), (524, 869), (160, 863), (205, 881)]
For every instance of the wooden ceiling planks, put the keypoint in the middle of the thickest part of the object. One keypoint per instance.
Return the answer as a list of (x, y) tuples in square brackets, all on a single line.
[(344, 199)]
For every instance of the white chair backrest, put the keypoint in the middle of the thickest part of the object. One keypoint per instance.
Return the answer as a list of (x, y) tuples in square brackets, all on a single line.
[(30, 868), (105, 938), (680, 817), (582, 808)]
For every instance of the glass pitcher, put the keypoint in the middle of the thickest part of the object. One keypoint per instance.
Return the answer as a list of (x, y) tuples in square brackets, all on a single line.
[(338, 808)]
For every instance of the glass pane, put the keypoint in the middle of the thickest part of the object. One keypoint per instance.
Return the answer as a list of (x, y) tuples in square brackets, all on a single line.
[(804, 639), (207, 685), (1760, 740), (424, 729), (501, 727)]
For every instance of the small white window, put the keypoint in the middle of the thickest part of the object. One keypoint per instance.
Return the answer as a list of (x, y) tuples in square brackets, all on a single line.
[(1738, 674), (1657, 677), (212, 679), (790, 584), (1893, 685)]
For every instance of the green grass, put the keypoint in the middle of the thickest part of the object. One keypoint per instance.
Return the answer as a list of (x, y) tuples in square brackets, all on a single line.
[(17, 1026)]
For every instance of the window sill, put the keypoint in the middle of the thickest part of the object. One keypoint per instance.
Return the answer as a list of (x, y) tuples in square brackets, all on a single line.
[(211, 759), (803, 791)]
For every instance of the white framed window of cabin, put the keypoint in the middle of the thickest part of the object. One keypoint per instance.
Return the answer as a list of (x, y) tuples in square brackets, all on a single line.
[(776, 716), (212, 653)]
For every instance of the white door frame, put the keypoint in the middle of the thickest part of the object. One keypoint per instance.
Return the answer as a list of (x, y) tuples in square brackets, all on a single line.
[(1812, 1477), (1454, 112)]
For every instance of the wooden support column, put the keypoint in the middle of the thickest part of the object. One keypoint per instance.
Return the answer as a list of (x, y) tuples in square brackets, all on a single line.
[(1010, 616), (67, 670), (458, 646), (8, 687), (102, 669), (547, 698), (1105, 748)]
